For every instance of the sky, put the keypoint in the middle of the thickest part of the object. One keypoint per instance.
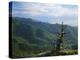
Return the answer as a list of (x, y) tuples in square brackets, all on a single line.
[(46, 12)]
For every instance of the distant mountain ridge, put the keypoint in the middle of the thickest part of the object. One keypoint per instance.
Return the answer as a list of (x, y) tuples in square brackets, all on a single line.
[(34, 35)]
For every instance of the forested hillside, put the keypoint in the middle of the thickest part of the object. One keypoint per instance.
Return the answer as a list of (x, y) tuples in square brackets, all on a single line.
[(31, 37)]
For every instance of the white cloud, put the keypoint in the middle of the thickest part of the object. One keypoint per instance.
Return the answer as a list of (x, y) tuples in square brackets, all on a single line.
[(49, 9), (48, 12)]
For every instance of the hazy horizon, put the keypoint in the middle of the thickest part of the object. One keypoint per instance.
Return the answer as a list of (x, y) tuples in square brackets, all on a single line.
[(45, 12)]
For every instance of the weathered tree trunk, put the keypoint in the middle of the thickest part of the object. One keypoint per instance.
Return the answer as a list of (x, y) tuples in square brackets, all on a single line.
[(59, 41)]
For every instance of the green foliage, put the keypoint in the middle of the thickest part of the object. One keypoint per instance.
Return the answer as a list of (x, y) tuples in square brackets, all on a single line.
[(31, 37), (69, 52)]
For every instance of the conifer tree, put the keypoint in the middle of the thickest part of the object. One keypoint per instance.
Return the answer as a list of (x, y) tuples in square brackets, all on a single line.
[(59, 41)]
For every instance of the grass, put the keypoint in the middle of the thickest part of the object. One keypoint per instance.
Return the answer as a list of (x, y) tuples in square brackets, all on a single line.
[(69, 52)]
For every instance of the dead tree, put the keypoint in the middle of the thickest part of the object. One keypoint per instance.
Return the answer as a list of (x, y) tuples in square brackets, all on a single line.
[(59, 41)]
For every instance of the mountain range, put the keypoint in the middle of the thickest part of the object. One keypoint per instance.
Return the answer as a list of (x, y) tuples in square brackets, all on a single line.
[(30, 37)]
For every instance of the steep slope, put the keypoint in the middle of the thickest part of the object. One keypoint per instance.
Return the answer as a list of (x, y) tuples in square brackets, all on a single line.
[(31, 37)]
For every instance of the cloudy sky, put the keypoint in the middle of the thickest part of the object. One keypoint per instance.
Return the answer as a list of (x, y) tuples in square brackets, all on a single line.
[(51, 13)]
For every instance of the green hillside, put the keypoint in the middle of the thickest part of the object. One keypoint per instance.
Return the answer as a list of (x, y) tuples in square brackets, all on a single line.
[(31, 37)]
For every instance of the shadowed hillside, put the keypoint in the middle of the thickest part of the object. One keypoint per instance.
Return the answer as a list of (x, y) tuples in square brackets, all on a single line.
[(31, 38)]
